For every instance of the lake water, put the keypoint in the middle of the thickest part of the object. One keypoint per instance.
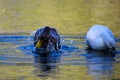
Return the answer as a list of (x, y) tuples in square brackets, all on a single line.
[(71, 62), (71, 18)]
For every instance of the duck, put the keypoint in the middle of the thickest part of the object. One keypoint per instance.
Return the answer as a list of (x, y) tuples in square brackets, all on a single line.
[(47, 37), (100, 37)]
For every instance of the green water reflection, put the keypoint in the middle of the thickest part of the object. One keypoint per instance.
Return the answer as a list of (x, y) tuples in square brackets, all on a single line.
[(68, 16)]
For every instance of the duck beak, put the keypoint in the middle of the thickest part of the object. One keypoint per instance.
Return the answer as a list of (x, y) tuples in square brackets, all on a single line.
[(39, 44)]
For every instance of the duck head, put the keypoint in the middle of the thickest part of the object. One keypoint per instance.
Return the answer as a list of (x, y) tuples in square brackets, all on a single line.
[(43, 38)]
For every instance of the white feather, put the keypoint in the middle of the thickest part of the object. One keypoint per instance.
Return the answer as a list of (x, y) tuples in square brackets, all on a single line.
[(100, 37)]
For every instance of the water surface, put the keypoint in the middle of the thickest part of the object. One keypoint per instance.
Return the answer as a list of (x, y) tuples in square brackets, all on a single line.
[(72, 62)]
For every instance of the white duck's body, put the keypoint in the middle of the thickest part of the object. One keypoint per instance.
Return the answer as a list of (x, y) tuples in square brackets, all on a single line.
[(100, 37)]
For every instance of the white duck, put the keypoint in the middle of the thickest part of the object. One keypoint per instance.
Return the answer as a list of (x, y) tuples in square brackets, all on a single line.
[(100, 37)]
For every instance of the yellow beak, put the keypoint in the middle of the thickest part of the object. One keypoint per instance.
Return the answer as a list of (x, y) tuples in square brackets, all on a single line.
[(39, 43)]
